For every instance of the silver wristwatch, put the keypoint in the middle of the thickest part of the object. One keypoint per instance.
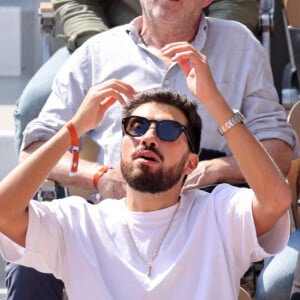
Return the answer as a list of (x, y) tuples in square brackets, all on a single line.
[(236, 119)]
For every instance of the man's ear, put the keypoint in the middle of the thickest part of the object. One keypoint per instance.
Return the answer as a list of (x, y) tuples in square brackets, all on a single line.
[(206, 3), (192, 163)]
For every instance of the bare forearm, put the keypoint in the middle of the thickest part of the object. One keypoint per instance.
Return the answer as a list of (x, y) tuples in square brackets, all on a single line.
[(215, 171), (272, 193), (20, 185), (280, 152), (83, 178), (225, 169), (86, 118)]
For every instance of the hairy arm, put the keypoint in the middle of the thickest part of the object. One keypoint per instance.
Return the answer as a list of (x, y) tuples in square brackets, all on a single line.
[(225, 169), (110, 185), (272, 193), (19, 186)]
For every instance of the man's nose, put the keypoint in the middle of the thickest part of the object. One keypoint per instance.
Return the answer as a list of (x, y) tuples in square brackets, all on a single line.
[(150, 137)]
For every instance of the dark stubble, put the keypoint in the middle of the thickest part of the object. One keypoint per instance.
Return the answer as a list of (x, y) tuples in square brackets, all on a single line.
[(143, 179)]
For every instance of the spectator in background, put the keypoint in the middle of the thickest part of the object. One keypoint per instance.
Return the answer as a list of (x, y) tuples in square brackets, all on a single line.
[(80, 20), (280, 276), (83, 19)]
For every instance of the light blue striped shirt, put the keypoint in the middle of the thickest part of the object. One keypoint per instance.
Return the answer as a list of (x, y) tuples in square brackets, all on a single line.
[(238, 62)]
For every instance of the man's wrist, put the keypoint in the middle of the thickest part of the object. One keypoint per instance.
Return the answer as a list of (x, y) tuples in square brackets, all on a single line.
[(237, 118), (75, 145), (99, 173)]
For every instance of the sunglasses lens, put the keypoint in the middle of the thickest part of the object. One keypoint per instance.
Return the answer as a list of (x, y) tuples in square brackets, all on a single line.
[(166, 130), (169, 130), (136, 126)]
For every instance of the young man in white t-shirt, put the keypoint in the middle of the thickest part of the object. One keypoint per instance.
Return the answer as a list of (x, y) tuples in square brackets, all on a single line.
[(159, 242)]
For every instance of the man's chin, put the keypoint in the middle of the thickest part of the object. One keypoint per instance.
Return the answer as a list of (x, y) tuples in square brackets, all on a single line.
[(147, 188)]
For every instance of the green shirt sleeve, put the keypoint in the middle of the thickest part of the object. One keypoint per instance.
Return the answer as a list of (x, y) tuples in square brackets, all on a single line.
[(243, 11), (80, 19)]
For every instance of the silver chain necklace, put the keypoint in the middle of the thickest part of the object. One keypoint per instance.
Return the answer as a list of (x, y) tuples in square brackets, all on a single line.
[(151, 261)]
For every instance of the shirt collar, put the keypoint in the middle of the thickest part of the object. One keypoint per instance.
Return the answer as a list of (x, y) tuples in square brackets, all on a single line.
[(201, 35), (134, 27)]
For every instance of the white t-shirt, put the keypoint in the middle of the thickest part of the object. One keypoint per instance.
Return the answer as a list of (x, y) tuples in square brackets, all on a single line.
[(209, 246)]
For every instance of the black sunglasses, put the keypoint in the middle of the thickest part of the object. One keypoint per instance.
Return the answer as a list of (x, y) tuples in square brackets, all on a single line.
[(166, 130)]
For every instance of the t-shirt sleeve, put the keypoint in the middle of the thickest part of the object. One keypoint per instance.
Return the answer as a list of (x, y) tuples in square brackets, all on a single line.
[(238, 228), (43, 241)]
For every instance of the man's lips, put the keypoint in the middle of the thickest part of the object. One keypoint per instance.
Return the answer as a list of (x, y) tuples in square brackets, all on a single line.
[(147, 155)]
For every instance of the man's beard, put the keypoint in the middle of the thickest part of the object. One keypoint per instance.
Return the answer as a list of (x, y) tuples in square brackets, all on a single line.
[(142, 179)]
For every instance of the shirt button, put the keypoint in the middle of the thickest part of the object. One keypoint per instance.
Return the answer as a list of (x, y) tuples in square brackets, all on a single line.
[(167, 82)]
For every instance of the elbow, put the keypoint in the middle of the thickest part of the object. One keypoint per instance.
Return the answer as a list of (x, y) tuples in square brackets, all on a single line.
[(29, 150), (279, 202), (22, 156)]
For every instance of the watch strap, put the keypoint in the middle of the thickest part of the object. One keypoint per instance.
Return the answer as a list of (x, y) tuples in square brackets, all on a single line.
[(237, 118)]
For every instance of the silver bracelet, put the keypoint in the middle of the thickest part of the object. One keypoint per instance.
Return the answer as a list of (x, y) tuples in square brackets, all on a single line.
[(236, 119)]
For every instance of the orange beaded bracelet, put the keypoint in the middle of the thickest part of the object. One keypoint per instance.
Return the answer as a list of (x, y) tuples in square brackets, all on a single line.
[(98, 174), (74, 148)]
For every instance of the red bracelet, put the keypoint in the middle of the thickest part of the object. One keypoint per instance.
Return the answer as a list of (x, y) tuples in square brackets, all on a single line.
[(98, 174), (74, 148)]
